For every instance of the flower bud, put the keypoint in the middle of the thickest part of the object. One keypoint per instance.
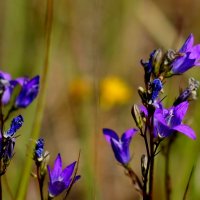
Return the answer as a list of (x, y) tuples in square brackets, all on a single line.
[(156, 87), (144, 164), (189, 93), (156, 61), (44, 163), (137, 116), (142, 93)]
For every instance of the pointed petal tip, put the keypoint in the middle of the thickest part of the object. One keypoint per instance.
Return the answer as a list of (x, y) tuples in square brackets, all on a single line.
[(128, 134), (109, 133)]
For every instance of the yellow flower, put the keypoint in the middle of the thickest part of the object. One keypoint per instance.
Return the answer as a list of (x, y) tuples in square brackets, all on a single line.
[(114, 91)]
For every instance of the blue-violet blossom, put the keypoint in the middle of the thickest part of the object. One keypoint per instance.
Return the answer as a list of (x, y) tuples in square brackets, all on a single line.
[(39, 150), (9, 84), (189, 57), (167, 121), (29, 91), (60, 180), (7, 146), (156, 87), (120, 146)]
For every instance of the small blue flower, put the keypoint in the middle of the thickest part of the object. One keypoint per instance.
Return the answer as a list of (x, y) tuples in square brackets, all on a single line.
[(120, 146), (29, 91), (156, 87), (7, 143), (39, 150), (60, 179), (15, 125), (148, 66), (189, 57), (167, 121)]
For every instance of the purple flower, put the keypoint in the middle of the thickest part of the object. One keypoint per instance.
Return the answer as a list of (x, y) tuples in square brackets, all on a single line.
[(167, 121), (156, 86), (39, 150), (60, 179), (15, 125), (7, 143), (148, 66), (120, 146), (8, 84), (29, 91), (189, 57)]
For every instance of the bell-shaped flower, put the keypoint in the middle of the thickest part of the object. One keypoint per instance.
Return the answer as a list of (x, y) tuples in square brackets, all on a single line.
[(8, 86), (167, 121), (60, 179), (29, 91), (189, 57), (121, 145)]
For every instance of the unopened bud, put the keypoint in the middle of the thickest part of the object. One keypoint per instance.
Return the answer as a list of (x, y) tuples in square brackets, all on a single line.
[(156, 62), (142, 93), (137, 116), (44, 163), (144, 161), (190, 93)]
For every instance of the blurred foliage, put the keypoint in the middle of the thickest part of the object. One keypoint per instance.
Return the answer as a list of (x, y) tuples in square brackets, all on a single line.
[(96, 49)]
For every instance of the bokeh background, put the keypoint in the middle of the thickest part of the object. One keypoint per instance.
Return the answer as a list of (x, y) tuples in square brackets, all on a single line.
[(96, 48)]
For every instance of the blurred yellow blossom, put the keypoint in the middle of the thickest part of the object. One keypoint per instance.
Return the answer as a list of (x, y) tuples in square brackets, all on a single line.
[(114, 91), (79, 89)]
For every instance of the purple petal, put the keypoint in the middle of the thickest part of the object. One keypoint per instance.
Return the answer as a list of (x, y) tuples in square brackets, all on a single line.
[(195, 53), (5, 75), (67, 172), (178, 113), (120, 155), (21, 80), (161, 129), (186, 130), (67, 183), (57, 168), (144, 110), (6, 95), (127, 135), (108, 133), (56, 188), (28, 92), (182, 64), (160, 115), (188, 44)]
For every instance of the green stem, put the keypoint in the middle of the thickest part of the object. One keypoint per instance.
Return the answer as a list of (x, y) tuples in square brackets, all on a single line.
[(167, 176), (152, 159), (135, 179), (1, 130), (40, 182), (23, 185)]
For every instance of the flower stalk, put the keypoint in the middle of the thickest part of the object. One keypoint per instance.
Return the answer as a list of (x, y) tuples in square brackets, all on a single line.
[(41, 101)]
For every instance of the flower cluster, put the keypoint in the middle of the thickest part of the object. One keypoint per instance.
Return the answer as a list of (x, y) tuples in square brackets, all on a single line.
[(12, 99), (153, 120), (19, 93), (60, 180), (7, 143), (29, 89)]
